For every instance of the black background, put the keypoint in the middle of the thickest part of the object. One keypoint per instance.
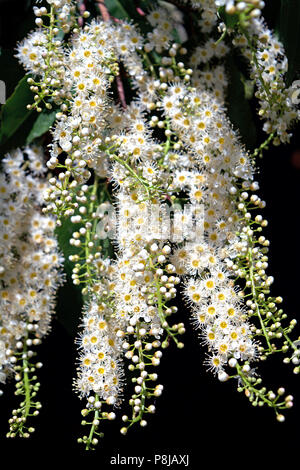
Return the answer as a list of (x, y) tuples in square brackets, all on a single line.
[(196, 414)]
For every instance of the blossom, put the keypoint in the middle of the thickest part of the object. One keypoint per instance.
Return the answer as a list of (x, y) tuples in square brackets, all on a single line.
[(29, 256)]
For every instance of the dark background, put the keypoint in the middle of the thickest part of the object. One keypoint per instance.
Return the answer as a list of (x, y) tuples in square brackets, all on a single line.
[(196, 414)]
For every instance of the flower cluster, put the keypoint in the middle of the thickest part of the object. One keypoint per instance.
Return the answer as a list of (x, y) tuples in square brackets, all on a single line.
[(29, 274)]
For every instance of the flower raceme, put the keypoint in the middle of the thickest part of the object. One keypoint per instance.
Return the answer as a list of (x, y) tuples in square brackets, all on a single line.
[(169, 142)]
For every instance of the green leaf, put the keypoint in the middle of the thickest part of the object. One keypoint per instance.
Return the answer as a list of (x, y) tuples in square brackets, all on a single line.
[(288, 31), (239, 109), (14, 111), (41, 125)]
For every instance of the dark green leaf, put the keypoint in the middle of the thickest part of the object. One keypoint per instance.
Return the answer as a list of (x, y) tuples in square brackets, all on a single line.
[(14, 111), (64, 233), (230, 20), (18, 139), (239, 109), (41, 125)]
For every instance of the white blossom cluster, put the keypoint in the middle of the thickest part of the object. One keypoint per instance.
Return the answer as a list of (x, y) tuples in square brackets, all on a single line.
[(217, 160), (29, 256)]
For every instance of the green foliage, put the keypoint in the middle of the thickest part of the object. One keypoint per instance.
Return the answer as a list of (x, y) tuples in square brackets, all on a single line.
[(20, 126), (126, 10), (288, 30), (230, 20), (64, 233), (117, 9), (69, 305), (69, 300)]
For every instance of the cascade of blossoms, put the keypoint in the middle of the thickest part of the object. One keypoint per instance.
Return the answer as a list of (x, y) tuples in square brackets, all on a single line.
[(183, 193), (30, 275)]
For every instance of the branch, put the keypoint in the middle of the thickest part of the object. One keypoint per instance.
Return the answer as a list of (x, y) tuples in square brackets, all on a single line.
[(121, 92), (138, 8), (103, 10)]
